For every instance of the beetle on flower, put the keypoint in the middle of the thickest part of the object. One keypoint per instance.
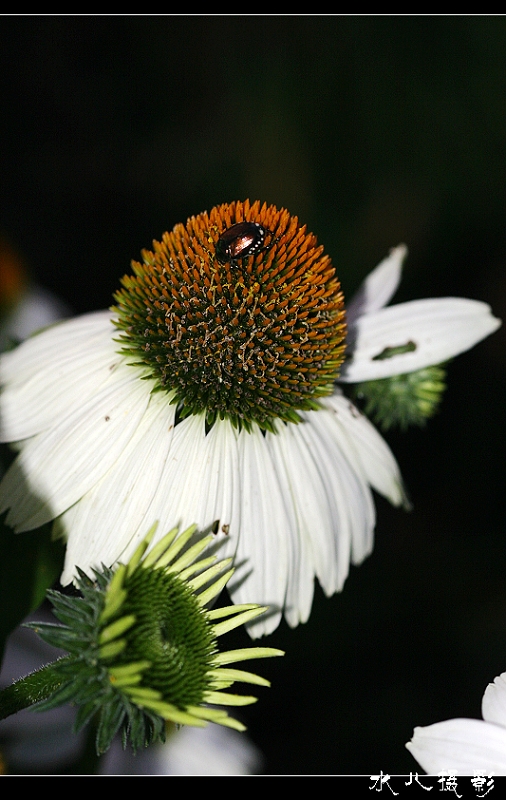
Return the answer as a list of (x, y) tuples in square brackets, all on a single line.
[(210, 393), (241, 240)]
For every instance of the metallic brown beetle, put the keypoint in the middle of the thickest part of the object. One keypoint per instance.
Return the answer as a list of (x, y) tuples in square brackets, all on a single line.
[(240, 240)]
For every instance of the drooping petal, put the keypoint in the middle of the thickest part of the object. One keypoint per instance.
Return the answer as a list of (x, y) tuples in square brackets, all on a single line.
[(217, 497), (431, 331), (101, 525), (346, 483), (262, 555), (379, 287), (174, 502), (493, 706), (460, 746), (56, 468), (201, 483), (365, 447), (49, 373), (300, 483)]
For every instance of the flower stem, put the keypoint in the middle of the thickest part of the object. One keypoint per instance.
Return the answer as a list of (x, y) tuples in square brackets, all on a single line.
[(25, 692)]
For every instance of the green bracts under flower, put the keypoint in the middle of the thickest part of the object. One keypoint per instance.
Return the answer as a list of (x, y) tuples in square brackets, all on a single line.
[(143, 646), (403, 400)]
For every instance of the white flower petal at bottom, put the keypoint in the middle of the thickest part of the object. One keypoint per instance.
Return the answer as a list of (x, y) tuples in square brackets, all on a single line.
[(493, 705), (214, 750), (460, 746), (467, 746)]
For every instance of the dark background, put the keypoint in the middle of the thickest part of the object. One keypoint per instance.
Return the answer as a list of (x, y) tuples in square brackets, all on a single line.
[(374, 131)]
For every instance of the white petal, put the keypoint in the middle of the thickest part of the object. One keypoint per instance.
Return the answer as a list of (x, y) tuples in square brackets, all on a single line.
[(262, 551), (218, 494), (303, 491), (367, 449), (460, 746), (57, 467), (214, 750), (493, 705), (346, 484), (174, 502), (435, 329), (101, 525), (179, 469), (51, 372), (45, 349), (200, 484), (379, 287)]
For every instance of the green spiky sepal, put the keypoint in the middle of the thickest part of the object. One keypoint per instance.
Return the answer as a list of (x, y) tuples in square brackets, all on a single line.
[(403, 400), (142, 645), (84, 675)]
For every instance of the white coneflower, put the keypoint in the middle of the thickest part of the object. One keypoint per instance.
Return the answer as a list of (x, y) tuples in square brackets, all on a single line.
[(209, 394)]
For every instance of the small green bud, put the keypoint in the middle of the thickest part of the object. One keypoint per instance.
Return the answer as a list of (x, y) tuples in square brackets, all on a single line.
[(142, 645), (403, 400)]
